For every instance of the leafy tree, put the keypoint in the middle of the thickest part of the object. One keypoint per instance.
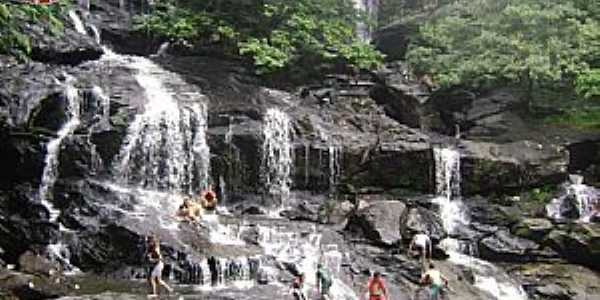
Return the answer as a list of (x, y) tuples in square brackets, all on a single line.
[(587, 84), (15, 17), (529, 42), (274, 33)]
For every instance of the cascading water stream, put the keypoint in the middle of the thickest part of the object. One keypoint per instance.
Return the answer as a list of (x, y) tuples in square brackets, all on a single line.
[(278, 158), (77, 22), (165, 147), (577, 201), (488, 277), (447, 182), (50, 172)]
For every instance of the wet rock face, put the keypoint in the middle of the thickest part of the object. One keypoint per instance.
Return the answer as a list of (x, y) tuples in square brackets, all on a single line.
[(378, 222), (23, 224), (487, 167)]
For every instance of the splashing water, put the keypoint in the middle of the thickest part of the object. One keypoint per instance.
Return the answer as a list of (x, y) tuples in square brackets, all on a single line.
[(59, 252), (50, 173), (577, 201), (303, 249), (277, 155), (165, 147)]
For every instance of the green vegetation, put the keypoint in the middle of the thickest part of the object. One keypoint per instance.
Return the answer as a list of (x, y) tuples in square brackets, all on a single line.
[(549, 50), (13, 19), (274, 33), (541, 195), (587, 118)]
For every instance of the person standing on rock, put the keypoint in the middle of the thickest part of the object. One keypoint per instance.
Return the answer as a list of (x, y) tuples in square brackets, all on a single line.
[(435, 280), (376, 288), (421, 243), (324, 282), (155, 257)]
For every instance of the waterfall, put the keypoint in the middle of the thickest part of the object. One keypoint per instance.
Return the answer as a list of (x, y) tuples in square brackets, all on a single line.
[(366, 9), (77, 22), (447, 183), (100, 103), (165, 147), (50, 172), (488, 277), (577, 201), (277, 155)]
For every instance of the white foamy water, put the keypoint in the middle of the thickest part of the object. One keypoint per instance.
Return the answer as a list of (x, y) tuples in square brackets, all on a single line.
[(278, 156), (447, 182), (59, 252), (488, 277), (50, 172), (77, 22), (165, 147), (575, 194), (304, 250)]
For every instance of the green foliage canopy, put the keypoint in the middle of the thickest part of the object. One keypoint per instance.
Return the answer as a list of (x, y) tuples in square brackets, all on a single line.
[(274, 33), (13, 19), (480, 42)]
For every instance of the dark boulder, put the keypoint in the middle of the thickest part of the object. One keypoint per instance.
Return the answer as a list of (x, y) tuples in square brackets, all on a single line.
[(379, 222), (419, 219), (533, 229), (504, 247), (578, 243), (553, 292), (23, 159), (36, 264), (393, 40)]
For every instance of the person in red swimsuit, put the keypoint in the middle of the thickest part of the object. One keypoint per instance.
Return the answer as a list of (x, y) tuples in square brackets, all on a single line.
[(208, 199), (376, 288)]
